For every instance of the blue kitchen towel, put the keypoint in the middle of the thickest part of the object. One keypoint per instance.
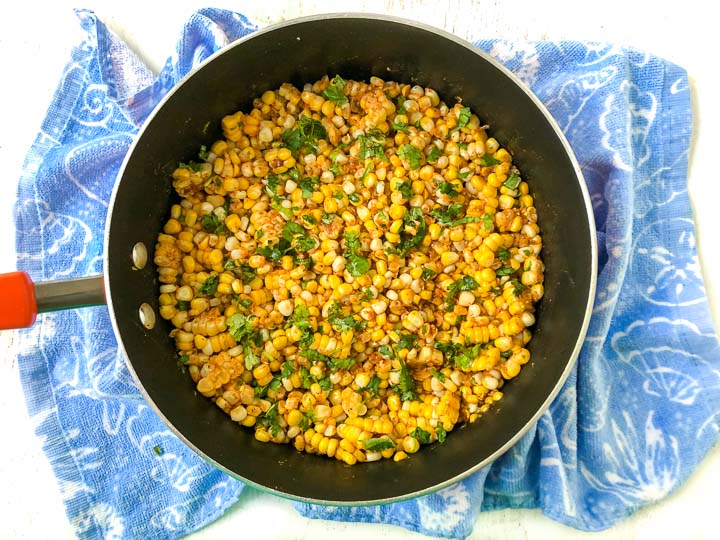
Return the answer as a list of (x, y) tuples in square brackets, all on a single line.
[(636, 416)]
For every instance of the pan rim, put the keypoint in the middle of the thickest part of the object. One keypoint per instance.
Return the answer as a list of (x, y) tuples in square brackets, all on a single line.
[(588, 212)]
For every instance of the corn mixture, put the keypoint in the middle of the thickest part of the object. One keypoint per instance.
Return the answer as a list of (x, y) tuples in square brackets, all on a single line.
[(352, 269)]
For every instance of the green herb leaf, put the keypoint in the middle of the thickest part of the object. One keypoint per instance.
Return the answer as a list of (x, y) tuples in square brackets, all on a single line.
[(512, 182), (503, 254), (191, 165), (270, 420), (357, 265), (449, 189), (304, 135), (354, 198), (213, 224), (411, 154), (400, 104), (488, 221), (184, 359), (463, 117), (341, 364), (465, 283), (441, 434), (407, 341), (505, 271), (405, 188), (301, 319), (372, 144), (386, 351), (374, 385), (334, 92), (245, 302), (421, 435), (209, 288), (401, 126), (343, 322), (518, 288), (378, 444), (464, 174), (488, 161), (434, 154), (309, 185), (182, 305), (445, 216), (438, 375), (288, 368), (406, 384), (203, 154), (309, 219), (158, 450), (414, 231), (327, 219), (428, 273), (240, 326)]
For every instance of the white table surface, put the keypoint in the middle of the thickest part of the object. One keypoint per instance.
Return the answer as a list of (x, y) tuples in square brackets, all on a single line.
[(35, 42)]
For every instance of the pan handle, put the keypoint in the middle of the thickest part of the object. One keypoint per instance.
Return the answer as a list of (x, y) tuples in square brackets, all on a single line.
[(21, 299)]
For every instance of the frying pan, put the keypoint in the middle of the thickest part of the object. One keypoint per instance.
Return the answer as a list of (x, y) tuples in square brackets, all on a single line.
[(303, 50)]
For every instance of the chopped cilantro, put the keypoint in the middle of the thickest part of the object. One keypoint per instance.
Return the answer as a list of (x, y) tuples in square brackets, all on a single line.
[(182, 305), (407, 341), (400, 104), (367, 295), (488, 161), (374, 385), (405, 188), (343, 322), (158, 450), (288, 368), (464, 174), (203, 154), (308, 418), (503, 254), (334, 92), (210, 286), (357, 265), (270, 421), (449, 189), (339, 195), (327, 219), (465, 283), (378, 444), (308, 185), (372, 144), (301, 319), (410, 154), (488, 221), (512, 182), (386, 351), (445, 216), (463, 117), (439, 376), (401, 126), (213, 224), (184, 359), (518, 288), (304, 135), (191, 165), (309, 219), (245, 302), (441, 434), (505, 271), (341, 364), (434, 154), (354, 198), (428, 273), (421, 435), (406, 384), (415, 230)]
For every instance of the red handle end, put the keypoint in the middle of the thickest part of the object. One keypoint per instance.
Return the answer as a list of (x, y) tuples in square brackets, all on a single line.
[(18, 308)]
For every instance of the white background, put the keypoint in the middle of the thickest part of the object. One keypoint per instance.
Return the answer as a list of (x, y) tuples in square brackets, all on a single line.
[(35, 42)]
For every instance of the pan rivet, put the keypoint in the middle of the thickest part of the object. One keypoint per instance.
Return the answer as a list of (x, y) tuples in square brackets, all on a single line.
[(147, 316), (139, 255)]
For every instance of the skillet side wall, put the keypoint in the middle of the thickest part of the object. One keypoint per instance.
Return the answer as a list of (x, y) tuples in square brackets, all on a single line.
[(355, 48)]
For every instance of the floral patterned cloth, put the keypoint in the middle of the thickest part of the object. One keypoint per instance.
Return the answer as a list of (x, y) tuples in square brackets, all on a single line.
[(636, 416)]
